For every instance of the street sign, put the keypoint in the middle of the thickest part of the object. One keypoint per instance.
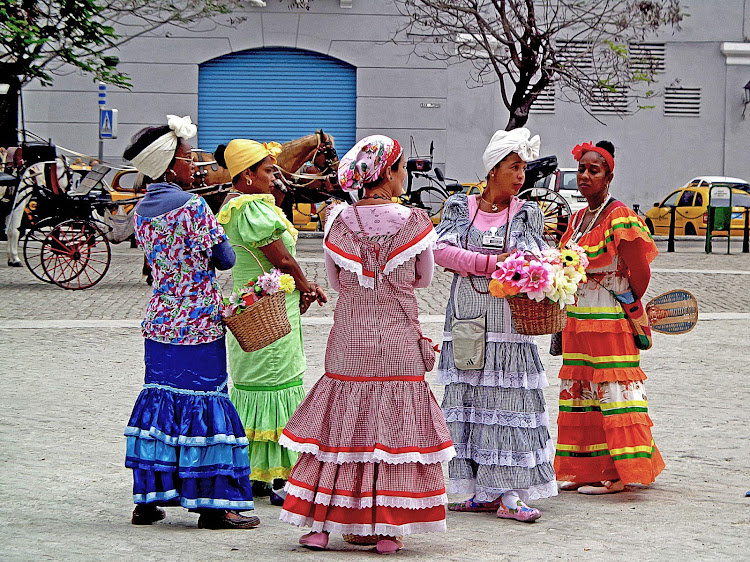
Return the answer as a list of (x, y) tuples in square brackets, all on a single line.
[(107, 123)]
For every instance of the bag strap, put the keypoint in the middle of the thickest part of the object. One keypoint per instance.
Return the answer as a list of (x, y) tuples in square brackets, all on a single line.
[(505, 242)]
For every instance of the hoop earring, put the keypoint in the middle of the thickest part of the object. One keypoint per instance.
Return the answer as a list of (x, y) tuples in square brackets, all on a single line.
[(167, 172)]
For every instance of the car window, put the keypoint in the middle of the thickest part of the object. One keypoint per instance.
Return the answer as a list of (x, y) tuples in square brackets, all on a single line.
[(740, 199), (569, 181), (543, 182), (686, 199), (671, 201), (698, 200)]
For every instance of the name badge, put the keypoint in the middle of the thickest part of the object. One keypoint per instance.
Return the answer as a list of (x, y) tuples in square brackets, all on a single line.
[(492, 240)]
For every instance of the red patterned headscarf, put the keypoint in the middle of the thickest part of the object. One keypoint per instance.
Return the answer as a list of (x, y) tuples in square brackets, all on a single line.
[(581, 149), (367, 160)]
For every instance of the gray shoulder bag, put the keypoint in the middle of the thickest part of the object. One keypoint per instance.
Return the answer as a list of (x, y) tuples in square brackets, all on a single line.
[(469, 334)]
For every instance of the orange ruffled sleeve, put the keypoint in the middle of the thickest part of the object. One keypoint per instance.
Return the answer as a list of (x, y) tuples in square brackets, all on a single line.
[(622, 225)]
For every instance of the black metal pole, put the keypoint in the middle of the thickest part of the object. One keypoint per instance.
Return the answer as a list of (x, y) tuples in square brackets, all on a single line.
[(670, 244), (746, 233)]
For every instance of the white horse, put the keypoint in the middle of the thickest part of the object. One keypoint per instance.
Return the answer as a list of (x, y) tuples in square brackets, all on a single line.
[(52, 175)]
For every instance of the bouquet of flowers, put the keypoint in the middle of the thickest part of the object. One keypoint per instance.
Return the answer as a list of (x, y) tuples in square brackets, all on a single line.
[(555, 275), (551, 279), (253, 290), (256, 313)]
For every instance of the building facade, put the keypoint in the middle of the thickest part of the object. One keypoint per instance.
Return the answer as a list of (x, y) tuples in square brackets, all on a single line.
[(282, 73)]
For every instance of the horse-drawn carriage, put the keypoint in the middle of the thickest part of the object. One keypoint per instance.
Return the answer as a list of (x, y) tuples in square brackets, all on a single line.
[(52, 218), (64, 226)]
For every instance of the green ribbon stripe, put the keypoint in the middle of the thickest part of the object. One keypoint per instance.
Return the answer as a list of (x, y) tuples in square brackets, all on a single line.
[(596, 315), (613, 365), (632, 456), (577, 454), (611, 237), (268, 388), (623, 410), (580, 409)]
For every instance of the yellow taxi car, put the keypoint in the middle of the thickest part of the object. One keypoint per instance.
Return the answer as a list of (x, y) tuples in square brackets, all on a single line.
[(691, 211)]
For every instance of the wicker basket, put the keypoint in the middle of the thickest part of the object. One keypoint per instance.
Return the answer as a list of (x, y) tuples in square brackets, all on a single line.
[(261, 323), (534, 318)]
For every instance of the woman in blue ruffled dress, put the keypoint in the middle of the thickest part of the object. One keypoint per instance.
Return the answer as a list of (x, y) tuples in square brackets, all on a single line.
[(185, 442)]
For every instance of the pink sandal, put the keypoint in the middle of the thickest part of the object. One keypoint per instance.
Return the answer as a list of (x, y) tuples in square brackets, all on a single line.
[(315, 541), (523, 513), (389, 545)]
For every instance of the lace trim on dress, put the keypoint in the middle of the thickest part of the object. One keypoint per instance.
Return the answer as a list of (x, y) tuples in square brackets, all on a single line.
[(485, 494), (492, 378), (353, 266), (410, 252), (506, 458), (365, 502), (496, 417), (362, 530), (378, 455)]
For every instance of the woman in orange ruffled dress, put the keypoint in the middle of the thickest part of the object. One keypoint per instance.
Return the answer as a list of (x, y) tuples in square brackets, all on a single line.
[(604, 436)]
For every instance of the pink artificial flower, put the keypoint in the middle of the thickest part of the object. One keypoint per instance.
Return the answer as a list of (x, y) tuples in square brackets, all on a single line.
[(537, 279), (270, 282), (512, 270)]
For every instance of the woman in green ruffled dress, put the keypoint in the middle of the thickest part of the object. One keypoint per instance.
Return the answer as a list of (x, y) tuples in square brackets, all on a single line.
[(267, 384)]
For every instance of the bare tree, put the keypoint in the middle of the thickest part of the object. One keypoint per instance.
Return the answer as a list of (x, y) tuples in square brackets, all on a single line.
[(591, 51)]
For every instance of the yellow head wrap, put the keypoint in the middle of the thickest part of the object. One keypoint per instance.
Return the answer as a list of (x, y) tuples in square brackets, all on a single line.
[(240, 154)]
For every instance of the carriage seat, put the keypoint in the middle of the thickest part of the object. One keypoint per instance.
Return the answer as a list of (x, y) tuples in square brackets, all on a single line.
[(90, 180)]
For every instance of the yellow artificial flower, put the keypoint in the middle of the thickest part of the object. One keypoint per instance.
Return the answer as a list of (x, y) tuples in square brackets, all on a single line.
[(569, 258), (286, 283)]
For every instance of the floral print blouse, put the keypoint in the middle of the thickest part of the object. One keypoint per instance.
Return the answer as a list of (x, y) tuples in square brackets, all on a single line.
[(185, 308)]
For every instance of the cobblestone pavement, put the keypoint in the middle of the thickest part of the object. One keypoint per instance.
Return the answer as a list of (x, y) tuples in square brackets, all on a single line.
[(67, 385)]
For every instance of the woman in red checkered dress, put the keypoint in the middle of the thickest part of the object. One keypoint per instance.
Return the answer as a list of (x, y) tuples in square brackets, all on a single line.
[(370, 433)]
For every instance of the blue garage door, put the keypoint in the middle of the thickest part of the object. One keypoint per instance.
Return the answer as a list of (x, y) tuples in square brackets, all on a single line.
[(276, 94)]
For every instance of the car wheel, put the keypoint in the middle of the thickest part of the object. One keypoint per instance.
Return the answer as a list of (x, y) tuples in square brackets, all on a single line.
[(650, 226), (689, 229)]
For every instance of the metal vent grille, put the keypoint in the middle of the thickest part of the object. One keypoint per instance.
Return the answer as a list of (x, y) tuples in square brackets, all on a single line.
[(578, 53), (613, 101), (545, 103), (647, 57), (685, 102)]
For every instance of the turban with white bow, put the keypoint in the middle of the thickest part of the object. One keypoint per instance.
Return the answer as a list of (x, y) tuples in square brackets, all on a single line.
[(154, 160), (503, 143)]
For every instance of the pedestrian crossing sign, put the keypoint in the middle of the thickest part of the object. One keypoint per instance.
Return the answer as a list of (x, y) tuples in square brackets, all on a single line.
[(107, 123)]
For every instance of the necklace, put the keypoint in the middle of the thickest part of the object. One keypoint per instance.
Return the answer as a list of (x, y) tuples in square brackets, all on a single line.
[(493, 206), (577, 234), (376, 196), (599, 208)]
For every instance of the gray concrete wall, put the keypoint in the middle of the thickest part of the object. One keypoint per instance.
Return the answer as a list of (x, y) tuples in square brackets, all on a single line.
[(654, 152)]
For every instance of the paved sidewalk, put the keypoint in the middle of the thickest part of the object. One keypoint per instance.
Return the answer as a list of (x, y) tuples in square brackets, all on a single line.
[(71, 367)]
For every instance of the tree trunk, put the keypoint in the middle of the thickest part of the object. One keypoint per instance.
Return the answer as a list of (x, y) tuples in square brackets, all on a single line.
[(517, 119)]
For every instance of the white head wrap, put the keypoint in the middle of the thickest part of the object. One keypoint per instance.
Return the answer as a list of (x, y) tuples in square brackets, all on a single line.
[(503, 143), (154, 160)]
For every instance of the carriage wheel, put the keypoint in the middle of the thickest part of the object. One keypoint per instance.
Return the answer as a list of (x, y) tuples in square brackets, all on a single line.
[(431, 199), (75, 254), (32, 249), (555, 209)]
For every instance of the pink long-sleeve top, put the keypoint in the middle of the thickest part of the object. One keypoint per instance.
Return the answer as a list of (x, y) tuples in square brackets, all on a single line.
[(380, 222), (467, 262)]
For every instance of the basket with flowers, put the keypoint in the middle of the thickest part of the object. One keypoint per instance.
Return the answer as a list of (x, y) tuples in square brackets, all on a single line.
[(256, 313), (539, 287)]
